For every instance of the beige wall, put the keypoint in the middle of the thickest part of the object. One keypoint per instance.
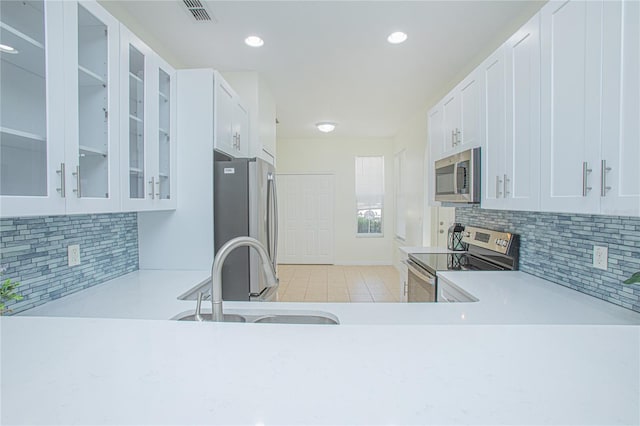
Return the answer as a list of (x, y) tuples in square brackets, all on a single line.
[(337, 156)]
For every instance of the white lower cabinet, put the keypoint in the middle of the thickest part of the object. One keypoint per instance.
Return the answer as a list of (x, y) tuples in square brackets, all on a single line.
[(511, 122), (404, 272), (590, 104)]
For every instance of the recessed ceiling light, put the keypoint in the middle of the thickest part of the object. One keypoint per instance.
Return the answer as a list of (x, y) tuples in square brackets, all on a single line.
[(397, 37), (326, 127), (254, 41), (7, 49)]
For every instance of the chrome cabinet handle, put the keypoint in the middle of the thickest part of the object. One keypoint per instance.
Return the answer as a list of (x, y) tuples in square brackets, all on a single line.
[(63, 185), (158, 185), (458, 138), (505, 190), (453, 138), (585, 173), (153, 187), (603, 178), (498, 193), (78, 189)]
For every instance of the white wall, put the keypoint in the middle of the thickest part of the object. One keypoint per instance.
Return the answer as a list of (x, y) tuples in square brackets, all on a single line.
[(412, 137), (337, 156)]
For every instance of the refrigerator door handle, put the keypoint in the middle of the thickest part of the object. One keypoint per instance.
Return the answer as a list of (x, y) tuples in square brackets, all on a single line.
[(272, 220), (275, 222)]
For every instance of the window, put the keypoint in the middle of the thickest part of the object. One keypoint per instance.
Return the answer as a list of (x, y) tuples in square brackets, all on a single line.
[(369, 195)]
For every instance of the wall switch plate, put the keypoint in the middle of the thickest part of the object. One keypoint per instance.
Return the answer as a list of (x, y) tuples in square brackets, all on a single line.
[(600, 257), (73, 252)]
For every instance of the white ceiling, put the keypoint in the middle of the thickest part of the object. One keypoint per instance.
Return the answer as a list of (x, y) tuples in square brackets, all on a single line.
[(329, 60)]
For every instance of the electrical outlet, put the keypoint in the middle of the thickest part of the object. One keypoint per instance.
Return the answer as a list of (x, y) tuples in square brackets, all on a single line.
[(73, 252), (600, 257)]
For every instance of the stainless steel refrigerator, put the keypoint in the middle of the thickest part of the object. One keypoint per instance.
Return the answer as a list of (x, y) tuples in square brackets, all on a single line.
[(245, 204)]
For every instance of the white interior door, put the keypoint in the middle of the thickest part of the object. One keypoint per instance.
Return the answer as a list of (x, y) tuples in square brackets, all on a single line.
[(306, 218)]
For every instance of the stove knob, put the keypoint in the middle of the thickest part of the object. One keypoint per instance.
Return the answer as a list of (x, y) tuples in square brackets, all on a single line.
[(504, 243)]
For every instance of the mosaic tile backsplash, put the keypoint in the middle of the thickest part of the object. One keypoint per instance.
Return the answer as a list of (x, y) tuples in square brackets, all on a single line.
[(34, 252), (559, 248)]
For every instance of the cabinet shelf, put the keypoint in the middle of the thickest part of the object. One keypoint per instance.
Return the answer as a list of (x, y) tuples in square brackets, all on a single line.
[(163, 96), (87, 150), (20, 133), (163, 175), (31, 56), (135, 170), (136, 78), (163, 131), (89, 78), (20, 35), (134, 118)]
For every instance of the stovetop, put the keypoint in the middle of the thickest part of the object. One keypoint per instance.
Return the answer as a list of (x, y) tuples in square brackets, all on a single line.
[(488, 250)]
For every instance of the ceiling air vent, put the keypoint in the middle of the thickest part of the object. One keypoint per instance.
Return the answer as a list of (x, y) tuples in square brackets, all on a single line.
[(198, 10)]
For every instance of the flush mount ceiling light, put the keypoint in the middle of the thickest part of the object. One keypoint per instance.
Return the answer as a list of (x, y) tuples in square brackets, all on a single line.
[(254, 41), (326, 127), (7, 49), (397, 37)]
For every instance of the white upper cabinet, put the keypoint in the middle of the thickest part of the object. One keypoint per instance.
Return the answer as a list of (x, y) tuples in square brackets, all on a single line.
[(92, 139), (571, 121), (461, 116), (521, 183), (257, 97), (511, 122), (494, 127), (231, 120), (165, 120), (619, 187), (591, 107), (32, 139), (147, 127)]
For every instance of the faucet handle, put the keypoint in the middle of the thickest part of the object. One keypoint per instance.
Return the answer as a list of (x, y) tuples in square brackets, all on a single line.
[(198, 316)]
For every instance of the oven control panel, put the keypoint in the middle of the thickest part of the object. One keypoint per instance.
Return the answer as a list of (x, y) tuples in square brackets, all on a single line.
[(486, 238)]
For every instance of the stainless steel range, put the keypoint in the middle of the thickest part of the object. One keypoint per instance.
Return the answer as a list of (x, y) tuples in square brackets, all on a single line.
[(489, 250)]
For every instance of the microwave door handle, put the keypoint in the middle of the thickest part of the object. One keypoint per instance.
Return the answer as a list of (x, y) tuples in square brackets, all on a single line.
[(455, 178)]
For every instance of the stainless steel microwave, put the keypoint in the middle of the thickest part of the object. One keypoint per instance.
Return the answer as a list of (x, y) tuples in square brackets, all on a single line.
[(457, 177)]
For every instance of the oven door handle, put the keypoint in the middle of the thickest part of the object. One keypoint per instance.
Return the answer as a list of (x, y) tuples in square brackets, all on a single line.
[(428, 278)]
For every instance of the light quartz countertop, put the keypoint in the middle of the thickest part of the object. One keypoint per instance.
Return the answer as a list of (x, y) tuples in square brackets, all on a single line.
[(529, 352)]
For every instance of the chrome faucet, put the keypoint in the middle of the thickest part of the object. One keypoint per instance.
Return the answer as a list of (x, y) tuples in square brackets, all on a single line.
[(216, 273)]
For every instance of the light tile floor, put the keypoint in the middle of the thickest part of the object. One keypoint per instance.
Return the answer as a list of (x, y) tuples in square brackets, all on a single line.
[(331, 283)]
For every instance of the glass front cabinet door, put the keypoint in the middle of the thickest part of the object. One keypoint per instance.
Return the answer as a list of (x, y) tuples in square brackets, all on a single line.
[(165, 152), (32, 162), (147, 127), (92, 160)]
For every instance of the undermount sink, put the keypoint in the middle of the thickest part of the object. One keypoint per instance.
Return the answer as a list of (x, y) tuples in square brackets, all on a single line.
[(207, 317), (260, 317), (296, 319)]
